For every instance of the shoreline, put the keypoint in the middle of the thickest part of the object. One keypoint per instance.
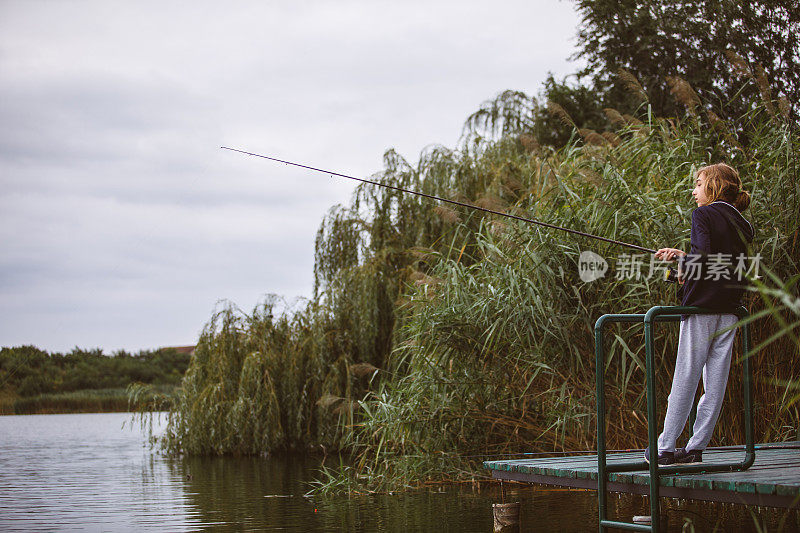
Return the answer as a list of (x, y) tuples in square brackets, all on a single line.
[(114, 400)]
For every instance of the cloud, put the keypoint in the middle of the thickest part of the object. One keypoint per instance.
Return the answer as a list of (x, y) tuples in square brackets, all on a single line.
[(121, 220)]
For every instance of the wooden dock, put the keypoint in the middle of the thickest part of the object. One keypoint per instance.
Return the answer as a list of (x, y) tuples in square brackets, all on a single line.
[(773, 480)]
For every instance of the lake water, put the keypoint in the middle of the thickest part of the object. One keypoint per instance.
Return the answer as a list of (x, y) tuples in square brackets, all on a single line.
[(85, 472)]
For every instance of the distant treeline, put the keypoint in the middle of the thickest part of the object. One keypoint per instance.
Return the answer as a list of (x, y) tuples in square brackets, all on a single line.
[(27, 372)]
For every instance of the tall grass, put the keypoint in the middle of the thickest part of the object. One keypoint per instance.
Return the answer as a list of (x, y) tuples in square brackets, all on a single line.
[(84, 401), (497, 357), (435, 333)]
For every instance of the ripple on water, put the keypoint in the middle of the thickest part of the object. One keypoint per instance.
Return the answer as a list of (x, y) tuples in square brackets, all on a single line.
[(84, 472)]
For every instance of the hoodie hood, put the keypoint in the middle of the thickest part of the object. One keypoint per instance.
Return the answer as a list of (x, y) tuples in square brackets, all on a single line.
[(737, 222)]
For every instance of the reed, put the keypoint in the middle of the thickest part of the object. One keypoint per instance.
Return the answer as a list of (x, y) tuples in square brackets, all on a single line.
[(82, 401), (438, 336)]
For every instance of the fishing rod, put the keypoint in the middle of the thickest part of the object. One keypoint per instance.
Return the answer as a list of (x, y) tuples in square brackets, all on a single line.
[(669, 275)]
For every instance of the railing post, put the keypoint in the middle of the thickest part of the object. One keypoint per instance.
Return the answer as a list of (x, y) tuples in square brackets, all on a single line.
[(747, 384), (658, 314), (599, 357), (652, 420)]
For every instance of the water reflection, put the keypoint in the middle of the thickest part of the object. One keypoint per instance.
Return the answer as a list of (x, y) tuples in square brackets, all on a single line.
[(84, 472), (270, 494), (257, 493)]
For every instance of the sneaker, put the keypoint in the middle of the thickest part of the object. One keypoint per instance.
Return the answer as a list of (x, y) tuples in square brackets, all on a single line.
[(664, 458), (687, 457)]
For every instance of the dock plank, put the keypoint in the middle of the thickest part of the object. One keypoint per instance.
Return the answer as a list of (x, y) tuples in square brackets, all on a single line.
[(774, 478)]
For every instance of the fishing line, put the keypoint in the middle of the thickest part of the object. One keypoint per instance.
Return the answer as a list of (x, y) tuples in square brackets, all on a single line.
[(454, 202)]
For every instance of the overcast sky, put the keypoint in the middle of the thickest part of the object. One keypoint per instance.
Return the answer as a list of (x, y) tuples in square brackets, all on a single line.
[(122, 223)]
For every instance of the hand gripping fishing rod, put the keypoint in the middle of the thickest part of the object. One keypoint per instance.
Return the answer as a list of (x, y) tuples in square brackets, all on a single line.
[(667, 277)]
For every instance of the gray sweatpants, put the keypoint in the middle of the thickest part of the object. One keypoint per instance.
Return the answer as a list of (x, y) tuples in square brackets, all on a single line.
[(699, 352)]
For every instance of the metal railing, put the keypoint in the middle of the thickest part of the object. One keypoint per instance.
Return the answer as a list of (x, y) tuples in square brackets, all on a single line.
[(660, 314)]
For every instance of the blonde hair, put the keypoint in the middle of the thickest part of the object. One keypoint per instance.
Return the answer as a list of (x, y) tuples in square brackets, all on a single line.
[(723, 183)]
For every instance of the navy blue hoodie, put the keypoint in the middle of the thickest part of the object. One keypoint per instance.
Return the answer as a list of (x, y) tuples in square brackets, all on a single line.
[(717, 228)]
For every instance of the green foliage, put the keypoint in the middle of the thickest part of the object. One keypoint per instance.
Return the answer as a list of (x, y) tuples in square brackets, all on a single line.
[(550, 120), (655, 39), (262, 382), (436, 334), (665, 57), (496, 355), (83, 401), (27, 371)]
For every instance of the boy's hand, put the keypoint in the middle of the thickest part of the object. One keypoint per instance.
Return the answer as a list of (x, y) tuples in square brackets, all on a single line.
[(669, 254)]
